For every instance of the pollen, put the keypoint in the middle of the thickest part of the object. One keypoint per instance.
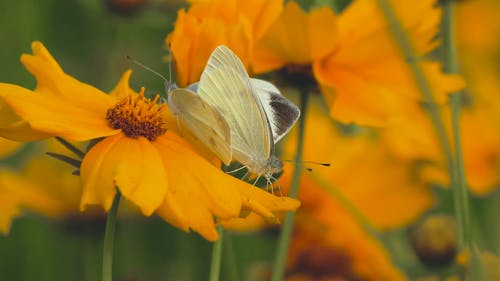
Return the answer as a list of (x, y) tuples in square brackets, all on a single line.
[(138, 116)]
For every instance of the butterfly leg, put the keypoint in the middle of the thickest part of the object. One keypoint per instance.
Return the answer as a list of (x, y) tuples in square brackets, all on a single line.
[(256, 180), (236, 170), (274, 180)]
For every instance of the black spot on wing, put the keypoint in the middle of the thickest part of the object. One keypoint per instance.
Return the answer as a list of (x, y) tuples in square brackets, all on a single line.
[(285, 113)]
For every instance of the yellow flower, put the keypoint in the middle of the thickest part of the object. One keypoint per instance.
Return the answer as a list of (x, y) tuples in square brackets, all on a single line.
[(140, 154), (355, 59), (296, 37), (329, 244), (8, 147), (412, 137), (377, 182), (476, 22), (208, 24), (18, 193)]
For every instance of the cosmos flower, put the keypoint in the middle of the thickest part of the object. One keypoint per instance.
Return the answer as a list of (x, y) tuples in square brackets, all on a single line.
[(140, 155), (208, 24)]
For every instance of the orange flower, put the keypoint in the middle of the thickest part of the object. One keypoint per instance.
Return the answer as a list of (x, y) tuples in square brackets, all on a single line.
[(296, 38), (8, 147), (140, 155), (207, 24), (357, 63), (18, 193), (376, 181), (330, 244), (412, 137)]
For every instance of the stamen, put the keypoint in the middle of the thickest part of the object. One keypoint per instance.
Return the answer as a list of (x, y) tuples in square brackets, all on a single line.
[(138, 116)]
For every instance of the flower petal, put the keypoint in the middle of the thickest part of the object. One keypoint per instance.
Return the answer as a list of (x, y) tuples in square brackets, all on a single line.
[(296, 38), (53, 81), (8, 147), (131, 165), (53, 116), (197, 191), (122, 89), (193, 40)]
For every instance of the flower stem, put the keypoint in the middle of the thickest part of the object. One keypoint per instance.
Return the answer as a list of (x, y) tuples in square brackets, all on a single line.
[(286, 232), (232, 266), (461, 206), (451, 66), (109, 237), (216, 256)]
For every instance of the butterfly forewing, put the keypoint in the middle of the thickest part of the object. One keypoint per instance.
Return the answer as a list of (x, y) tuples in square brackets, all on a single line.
[(281, 113), (226, 86)]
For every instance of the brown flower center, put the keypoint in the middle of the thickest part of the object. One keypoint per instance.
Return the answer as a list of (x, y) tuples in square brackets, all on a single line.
[(321, 262), (137, 116)]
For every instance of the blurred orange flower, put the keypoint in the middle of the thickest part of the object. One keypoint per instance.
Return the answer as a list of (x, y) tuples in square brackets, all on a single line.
[(361, 72), (208, 24), (150, 165), (330, 244), (8, 147), (16, 192), (383, 186)]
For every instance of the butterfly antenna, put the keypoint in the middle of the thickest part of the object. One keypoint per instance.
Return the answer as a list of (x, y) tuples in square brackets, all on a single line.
[(134, 61), (308, 162), (169, 61)]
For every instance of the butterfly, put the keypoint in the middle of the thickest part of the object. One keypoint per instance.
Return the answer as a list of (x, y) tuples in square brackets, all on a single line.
[(206, 123), (257, 115)]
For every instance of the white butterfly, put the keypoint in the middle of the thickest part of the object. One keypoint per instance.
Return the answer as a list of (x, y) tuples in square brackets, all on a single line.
[(257, 114), (206, 123)]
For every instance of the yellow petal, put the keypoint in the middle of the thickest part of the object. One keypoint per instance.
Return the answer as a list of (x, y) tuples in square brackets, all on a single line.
[(193, 40), (197, 190), (131, 165), (16, 193), (8, 147), (13, 127), (9, 210), (51, 80), (261, 14), (387, 193), (296, 38), (54, 116), (329, 230), (122, 89), (366, 79)]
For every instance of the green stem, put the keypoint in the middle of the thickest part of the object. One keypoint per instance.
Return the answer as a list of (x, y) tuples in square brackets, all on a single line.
[(232, 266), (450, 60), (109, 237), (434, 113), (451, 66), (286, 232), (216, 256)]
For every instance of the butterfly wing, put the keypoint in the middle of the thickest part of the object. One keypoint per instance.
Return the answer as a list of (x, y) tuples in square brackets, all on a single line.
[(226, 86), (281, 113), (206, 123)]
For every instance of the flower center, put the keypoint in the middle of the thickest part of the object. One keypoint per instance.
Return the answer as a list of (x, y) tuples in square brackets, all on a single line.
[(137, 116)]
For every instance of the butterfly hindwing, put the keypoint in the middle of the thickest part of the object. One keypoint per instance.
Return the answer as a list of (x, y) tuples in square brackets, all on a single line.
[(206, 123)]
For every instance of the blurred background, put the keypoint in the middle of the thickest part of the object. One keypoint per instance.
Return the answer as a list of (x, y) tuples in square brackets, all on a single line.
[(91, 40)]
